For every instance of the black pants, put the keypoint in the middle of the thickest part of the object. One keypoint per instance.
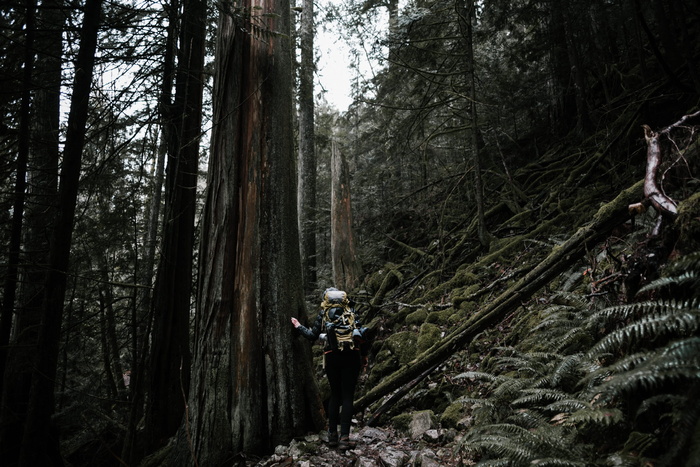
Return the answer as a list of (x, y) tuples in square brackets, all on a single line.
[(342, 369)]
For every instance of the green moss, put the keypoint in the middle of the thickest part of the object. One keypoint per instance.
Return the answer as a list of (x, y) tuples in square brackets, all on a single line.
[(385, 363), (458, 318), (688, 224), (452, 415), (428, 336), (402, 345), (440, 317), (402, 422), (417, 317)]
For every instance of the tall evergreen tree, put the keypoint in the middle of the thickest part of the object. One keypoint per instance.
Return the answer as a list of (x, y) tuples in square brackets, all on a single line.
[(252, 386)]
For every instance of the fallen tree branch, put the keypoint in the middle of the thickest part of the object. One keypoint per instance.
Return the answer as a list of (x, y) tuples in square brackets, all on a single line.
[(664, 205), (560, 259)]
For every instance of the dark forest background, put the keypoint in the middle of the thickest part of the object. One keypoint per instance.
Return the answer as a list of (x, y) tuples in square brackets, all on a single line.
[(511, 199)]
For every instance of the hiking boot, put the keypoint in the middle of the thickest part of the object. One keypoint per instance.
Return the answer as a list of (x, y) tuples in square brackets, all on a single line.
[(346, 443), (333, 439)]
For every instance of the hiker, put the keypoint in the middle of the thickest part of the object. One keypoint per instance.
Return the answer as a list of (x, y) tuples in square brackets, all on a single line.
[(345, 353)]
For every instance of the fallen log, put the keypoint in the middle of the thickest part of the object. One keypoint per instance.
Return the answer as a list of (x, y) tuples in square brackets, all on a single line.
[(559, 260)]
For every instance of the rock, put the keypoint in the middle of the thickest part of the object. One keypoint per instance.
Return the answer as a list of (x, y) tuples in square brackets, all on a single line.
[(369, 434), (280, 450), (427, 459), (391, 457), (365, 462), (420, 423), (431, 436), (295, 449)]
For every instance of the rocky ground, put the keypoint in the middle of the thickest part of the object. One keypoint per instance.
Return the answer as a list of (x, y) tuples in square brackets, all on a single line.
[(421, 446)]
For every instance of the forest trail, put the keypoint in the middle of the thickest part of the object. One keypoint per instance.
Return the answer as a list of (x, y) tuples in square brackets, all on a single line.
[(375, 447)]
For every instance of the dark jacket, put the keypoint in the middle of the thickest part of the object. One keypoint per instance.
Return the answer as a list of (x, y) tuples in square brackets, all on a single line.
[(316, 330)]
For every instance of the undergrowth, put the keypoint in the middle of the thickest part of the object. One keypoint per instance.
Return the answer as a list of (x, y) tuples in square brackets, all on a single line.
[(617, 386)]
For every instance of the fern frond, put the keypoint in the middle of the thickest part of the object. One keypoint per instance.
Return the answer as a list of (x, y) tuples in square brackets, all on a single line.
[(539, 396), (635, 310), (596, 416), (495, 463), (678, 323), (687, 279), (555, 462), (651, 377), (478, 376), (510, 388), (501, 447), (528, 366), (527, 419), (568, 370), (567, 405)]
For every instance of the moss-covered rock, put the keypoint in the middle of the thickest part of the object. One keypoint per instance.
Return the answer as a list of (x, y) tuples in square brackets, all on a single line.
[(428, 336), (453, 415), (402, 421), (440, 317), (417, 317), (383, 364), (402, 345)]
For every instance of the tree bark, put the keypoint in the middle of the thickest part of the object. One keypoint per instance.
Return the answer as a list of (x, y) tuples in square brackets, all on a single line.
[(169, 367), (39, 442), (252, 384), (346, 267), (561, 257), (35, 207), (307, 152)]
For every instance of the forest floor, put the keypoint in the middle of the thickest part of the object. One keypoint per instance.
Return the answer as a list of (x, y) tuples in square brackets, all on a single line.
[(374, 447)]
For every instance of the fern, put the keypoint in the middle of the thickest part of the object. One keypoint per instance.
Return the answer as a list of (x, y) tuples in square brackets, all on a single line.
[(595, 416), (675, 322), (539, 397), (524, 446), (567, 406), (568, 371)]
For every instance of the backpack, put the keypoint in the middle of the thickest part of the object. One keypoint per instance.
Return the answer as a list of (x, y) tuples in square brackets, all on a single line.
[(339, 321)]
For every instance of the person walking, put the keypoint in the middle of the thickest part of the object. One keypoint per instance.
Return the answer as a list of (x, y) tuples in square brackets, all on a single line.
[(345, 353)]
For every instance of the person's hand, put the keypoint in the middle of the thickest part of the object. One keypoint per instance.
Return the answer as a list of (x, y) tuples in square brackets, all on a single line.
[(296, 322)]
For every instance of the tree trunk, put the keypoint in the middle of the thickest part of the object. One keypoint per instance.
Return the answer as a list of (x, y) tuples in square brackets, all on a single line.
[(10, 285), (561, 257), (252, 384), (466, 16), (39, 443), (141, 313), (169, 367), (40, 180), (307, 152), (346, 268)]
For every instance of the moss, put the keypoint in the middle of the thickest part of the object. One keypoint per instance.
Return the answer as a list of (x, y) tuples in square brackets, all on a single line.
[(452, 415), (688, 224), (402, 422), (458, 318), (385, 363), (441, 316), (402, 345), (417, 317), (428, 336)]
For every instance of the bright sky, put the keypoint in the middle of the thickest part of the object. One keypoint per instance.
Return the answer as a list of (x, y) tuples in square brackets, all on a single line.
[(333, 73)]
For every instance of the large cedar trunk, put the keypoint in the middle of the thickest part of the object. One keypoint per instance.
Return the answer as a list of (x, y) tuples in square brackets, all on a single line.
[(252, 385), (346, 268)]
